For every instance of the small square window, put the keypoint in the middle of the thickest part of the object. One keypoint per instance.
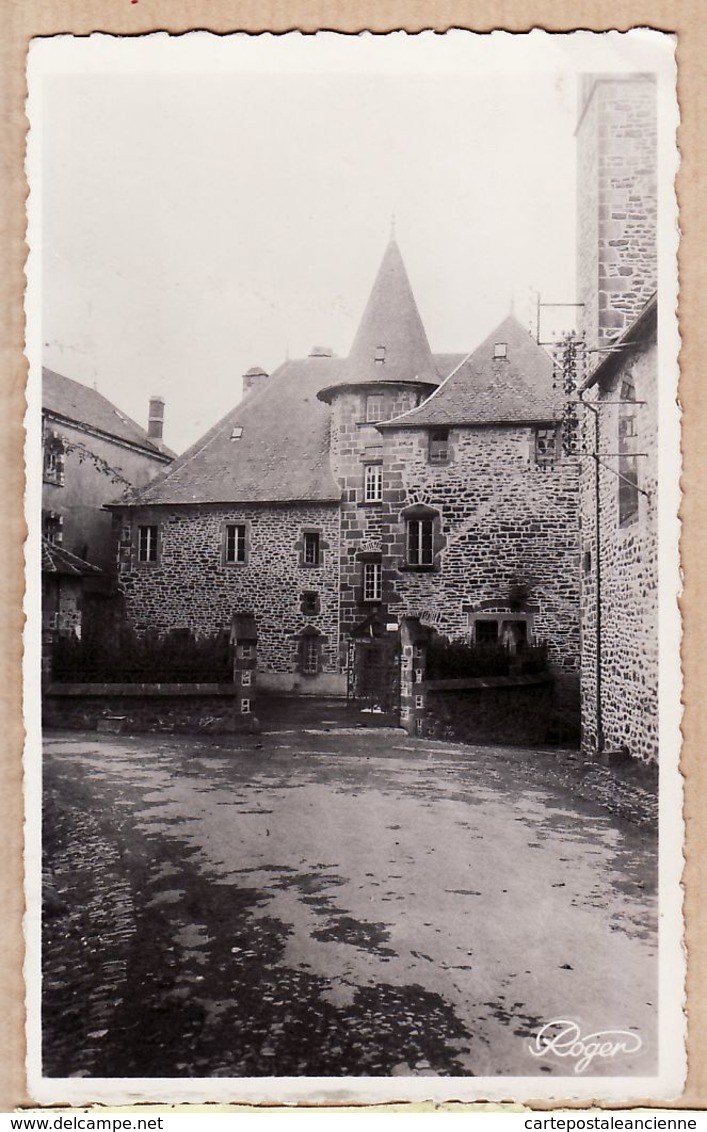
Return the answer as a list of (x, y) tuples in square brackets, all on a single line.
[(235, 546), (419, 702), (372, 581), (375, 407), (373, 483), (439, 446), (311, 552), (147, 543), (545, 446), (500, 350), (245, 678), (379, 356), (245, 650), (309, 603)]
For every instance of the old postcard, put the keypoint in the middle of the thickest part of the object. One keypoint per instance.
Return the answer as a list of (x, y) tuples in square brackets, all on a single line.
[(353, 478)]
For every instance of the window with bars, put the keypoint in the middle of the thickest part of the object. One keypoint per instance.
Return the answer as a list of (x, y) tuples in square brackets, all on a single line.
[(420, 542), (310, 656), (373, 483), (372, 581), (375, 407), (438, 448), (235, 545), (311, 548), (546, 448), (147, 537)]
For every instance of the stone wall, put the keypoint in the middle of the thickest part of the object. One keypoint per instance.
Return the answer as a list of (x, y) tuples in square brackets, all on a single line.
[(617, 203), (628, 558), (503, 520), (190, 586), (210, 709), (516, 711)]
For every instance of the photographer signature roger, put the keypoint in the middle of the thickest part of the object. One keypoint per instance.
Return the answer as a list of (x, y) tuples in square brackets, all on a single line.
[(563, 1038)]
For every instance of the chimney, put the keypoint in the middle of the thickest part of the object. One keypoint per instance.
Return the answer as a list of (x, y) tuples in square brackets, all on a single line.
[(155, 423), (254, 378)]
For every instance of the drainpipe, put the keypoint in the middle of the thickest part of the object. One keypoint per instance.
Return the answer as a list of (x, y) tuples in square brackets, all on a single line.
[(597, 551)]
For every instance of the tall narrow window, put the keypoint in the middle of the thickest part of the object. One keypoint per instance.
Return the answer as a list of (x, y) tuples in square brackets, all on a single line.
[(310, 656), (312, 549), (375, 407), (628, 462), (373, 483), (420, 551), (147, 543), (235, 543), (439, 446), (372, 581)]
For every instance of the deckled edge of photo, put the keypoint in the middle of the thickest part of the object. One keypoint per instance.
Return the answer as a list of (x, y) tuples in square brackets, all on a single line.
[(73, 20)]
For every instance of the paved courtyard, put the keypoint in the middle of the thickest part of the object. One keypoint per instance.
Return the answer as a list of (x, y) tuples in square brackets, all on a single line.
[(333, 902)]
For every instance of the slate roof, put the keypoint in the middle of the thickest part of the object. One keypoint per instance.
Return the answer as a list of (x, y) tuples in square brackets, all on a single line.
[(56, 560), (63, 397), (281, 455), (488, 390), (392, 321), (445, 363)]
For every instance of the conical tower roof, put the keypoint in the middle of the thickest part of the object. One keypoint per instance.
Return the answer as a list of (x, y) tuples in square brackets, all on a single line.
[(390, 344)]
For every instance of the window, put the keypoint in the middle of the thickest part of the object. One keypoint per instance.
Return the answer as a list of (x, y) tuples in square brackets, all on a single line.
[(309, 603), (235, 543), (52, 527), (486, 632), (310, 656), (373, 483), (375, 407), (245, 707), (500, 350), (628, 461), (147, 543), (420, 551), (439, 446), (245, 678), (372, 581), (379, 356), (545, 446), (311, 554), (53, 471)]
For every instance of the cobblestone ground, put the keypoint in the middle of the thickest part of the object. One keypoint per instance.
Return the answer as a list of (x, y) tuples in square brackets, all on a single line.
[(335, 903)]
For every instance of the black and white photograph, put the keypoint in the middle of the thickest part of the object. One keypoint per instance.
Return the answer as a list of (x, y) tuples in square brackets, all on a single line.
[(352, 651)]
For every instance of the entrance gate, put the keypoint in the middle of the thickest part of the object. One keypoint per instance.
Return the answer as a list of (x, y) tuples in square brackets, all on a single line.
[(373, 672)]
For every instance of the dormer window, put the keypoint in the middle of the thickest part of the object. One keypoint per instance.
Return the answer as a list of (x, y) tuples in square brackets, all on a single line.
[(236, 433), (379, 356), (500, 350)]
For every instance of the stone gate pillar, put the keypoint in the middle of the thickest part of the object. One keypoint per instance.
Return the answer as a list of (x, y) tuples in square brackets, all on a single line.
[(413, 666), (244, 646)]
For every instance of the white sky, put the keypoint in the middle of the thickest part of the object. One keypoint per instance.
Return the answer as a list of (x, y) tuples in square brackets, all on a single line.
[(208, 204)]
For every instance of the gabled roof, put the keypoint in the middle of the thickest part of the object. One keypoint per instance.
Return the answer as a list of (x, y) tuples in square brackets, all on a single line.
[(391, 329), (72, 401), (488, 390), (56, 560), (281, 454)]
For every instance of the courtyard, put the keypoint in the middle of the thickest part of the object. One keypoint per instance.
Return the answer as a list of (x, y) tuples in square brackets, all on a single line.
[(328, 900)]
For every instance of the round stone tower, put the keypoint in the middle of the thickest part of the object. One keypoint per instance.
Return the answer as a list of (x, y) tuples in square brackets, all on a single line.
[(389, 370)]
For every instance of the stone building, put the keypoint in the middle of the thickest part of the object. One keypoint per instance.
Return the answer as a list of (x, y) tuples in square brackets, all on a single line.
[(342, 496), (617, 280), (91, 451)]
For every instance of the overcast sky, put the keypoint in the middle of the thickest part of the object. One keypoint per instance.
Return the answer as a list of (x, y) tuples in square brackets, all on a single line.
[(208, 207)]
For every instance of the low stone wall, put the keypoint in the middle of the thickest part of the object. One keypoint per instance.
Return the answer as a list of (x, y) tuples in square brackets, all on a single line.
[(514, 710), (195, 708)]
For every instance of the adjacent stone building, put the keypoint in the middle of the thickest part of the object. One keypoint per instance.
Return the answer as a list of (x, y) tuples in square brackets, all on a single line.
[(343, 496), (91, 451), (617, 281)]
